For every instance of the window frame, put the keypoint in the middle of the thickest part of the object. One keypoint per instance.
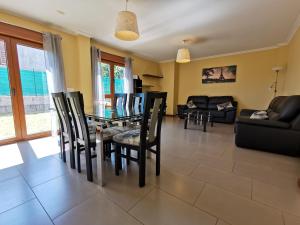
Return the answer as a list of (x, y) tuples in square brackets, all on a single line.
[(112, 61)]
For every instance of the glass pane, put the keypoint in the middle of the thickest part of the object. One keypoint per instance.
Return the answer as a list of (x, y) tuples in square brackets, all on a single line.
[(7, 126), (119, 72), (35, 89), (105, 70)]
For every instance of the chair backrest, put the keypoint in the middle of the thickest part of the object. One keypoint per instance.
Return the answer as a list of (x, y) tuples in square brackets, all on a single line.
[(136, 101), (120, 100), (152, 118), (76, 105), (63, 113)]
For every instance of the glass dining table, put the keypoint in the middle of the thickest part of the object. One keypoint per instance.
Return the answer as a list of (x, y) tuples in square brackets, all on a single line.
[(104, 116)]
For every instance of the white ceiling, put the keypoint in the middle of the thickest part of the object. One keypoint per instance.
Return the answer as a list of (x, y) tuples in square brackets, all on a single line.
[(218, 26)]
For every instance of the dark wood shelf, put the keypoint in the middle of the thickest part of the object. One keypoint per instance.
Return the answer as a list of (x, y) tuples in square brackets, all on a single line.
[(153, 76)]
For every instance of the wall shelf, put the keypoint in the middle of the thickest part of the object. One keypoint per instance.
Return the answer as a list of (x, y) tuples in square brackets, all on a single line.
[(153, 76), (147, 85)]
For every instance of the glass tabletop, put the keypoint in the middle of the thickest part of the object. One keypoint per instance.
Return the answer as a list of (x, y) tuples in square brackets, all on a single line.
[(107, 113)]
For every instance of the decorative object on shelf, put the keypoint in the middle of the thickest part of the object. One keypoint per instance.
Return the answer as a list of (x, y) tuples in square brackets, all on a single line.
[(276, 69), (127, 27), (225, 74), (183, 54)]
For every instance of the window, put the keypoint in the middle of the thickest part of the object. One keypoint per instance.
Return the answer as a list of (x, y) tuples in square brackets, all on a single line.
[(113, 74)]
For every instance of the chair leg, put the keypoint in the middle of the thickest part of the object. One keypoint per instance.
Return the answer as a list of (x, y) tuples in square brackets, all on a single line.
[(117, 161), (63, 148), (78, 158), (128, 154), (89, 168), (72, 153), (158, 159), (109, 150), (142, 167)]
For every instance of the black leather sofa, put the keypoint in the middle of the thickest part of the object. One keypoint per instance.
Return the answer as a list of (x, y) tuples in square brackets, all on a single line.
[(280, 133), (210, 103)]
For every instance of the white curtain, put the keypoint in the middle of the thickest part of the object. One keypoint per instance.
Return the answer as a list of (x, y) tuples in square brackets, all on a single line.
[(55, 71), (54, 62), (128, 81), (98, 88)]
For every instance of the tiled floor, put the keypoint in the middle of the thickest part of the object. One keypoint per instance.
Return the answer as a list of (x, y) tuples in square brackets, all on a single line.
[(205, 180)]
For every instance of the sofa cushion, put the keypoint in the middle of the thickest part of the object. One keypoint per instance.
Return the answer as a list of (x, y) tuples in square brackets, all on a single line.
[(276, 103), (200, 101), (214, 101), (289, 109), (218, 114)]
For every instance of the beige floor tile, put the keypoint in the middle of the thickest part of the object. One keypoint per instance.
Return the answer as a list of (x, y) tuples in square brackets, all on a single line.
[(235, 209), (29, 213), (96, 211), (221, 222), (291, 220), (124, 189), (266, 175), (183, 187), (66, 192), (287, 200), (13, 193), (214, 162), (8, 173), (178, 165), (159, 208), (229, 181), (43, 170)]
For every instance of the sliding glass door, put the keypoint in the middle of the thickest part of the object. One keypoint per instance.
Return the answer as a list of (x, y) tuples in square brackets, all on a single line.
[(24, 96), (7, 94)]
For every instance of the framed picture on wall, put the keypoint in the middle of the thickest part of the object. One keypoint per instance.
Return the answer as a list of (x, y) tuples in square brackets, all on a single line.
[(225, 74)]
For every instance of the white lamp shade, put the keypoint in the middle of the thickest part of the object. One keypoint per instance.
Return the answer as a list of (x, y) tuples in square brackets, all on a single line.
[(127, 28), (183, 55)]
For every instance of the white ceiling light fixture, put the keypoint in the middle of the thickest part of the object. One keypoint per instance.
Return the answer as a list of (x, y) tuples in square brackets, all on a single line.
[(127, 27), (183, 54)]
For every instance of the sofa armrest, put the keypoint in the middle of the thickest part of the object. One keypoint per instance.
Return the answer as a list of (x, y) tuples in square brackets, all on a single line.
[(265, 123)]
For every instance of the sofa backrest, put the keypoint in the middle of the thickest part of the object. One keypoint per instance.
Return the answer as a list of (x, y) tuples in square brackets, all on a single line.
[(275, 103), (214, 101), (286, 109), (200, 101)]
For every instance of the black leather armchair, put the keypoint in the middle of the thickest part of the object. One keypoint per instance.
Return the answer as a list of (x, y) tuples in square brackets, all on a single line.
[(278, 134)]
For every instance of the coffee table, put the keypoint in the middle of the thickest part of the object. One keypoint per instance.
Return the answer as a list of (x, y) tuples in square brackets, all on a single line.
[(199, 117)]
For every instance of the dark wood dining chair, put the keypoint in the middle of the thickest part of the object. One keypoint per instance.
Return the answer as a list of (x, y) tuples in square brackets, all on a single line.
[(66, 134), (85, 140), (136, 100), (120, 100), (145, 138)]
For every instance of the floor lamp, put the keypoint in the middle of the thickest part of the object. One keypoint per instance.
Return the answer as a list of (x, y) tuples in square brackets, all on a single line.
[(276, 69)]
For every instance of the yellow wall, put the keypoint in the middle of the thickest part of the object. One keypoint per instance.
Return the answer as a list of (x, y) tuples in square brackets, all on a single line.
[(170, 84), (292, 83), (139, 65), (69, 45), (251, 89), (254, 74), (77, 60)]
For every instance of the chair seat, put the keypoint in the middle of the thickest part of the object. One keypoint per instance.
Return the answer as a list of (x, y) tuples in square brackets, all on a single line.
[(131, 137)]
